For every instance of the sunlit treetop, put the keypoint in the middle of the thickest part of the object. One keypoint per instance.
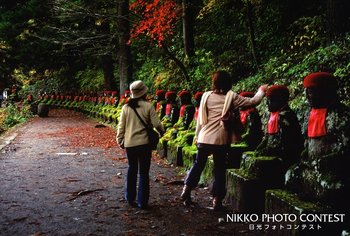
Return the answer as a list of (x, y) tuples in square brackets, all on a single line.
[(157, 19)]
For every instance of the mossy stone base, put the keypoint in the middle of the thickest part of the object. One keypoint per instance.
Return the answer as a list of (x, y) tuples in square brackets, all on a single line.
[(245, 192), (280, 201), (188, 156), (162, 148), (43, 110), (246, 186), (207, 174), (174, 155), (269, 169), (235, 155)]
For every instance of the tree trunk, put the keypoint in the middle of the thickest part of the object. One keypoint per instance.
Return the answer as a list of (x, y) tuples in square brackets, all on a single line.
[(107, 61), (124, 54), (188, 18), (108, 73), (337, 18), (251, 33), (177, 61)]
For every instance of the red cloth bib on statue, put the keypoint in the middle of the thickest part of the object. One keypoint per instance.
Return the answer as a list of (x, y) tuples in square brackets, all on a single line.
[(244, 115), (317, 123), (272, 126), (168, 109), (182, 110), (158, 106), (196, 113)]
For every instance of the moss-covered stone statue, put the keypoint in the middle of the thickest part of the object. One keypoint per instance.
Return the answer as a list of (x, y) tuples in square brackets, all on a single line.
[(171, 110), (323, 174), (283, 137), (251, 121), (124, 98), (160, 103), (189, 149), (251, 136), (178, 134), (265, 167), (186, 111)]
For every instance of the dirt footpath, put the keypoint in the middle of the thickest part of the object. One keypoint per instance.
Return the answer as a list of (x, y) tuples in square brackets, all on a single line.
[(64, 175)]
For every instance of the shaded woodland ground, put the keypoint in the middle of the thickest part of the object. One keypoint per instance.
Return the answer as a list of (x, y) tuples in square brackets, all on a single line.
[(64, 175)]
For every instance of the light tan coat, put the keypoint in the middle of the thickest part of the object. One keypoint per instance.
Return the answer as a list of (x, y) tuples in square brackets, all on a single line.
[(213, 107), (131, 132)]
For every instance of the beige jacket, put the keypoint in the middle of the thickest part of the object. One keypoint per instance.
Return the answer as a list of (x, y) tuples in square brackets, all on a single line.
[(213, 107), (131, 131)]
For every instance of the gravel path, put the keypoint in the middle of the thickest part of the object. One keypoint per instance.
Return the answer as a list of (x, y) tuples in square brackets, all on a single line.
[(63, 175)]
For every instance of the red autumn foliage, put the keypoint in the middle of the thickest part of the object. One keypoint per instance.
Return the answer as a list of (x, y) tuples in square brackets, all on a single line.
[(157, 19)]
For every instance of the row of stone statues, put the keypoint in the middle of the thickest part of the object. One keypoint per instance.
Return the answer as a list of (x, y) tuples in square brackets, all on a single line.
[(309, 157), (320, 173)]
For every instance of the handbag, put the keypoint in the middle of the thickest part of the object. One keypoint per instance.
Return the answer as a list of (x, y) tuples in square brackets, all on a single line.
[(232, 123), (153, 136)]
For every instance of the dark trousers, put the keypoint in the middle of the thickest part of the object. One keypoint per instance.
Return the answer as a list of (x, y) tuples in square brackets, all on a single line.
[(219, 156), (139, 160)]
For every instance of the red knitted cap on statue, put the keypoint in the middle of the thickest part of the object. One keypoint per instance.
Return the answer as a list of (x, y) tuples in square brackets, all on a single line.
[(183, 92), (160, 92), (198, 95), (278, 91), (169, 93), (320, 79), (247, 94)]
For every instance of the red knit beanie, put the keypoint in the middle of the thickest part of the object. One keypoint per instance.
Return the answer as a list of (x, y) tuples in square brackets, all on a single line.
[(169, 94), (198, 95), (279, 91), (320, 79), (184, 93), (247, 94), (160, 92)]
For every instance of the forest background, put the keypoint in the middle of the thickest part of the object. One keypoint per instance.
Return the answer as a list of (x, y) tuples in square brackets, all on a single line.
[(88, 46)]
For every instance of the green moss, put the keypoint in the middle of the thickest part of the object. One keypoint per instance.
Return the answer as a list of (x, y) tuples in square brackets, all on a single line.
[(239, 145), (207, 173), (294, 201), (252, 162)]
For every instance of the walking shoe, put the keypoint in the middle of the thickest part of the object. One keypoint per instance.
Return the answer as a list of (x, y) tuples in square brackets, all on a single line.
[(132, 203), (217, 204), (186, 193), (143, 206)]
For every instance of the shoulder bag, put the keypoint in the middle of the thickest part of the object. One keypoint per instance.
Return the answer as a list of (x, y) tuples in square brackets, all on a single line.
[(232, 123), (153, 136)]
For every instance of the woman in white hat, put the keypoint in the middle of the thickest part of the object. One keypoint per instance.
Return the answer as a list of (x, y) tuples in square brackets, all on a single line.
[(133, 137)]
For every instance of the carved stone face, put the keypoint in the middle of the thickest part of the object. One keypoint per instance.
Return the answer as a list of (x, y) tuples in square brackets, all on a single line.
[(185, 99), (275, 103), (319, 97), (159, 98)]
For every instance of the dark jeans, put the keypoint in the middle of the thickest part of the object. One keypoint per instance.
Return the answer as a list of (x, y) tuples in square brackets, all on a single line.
[(139, 160), (219, 155)]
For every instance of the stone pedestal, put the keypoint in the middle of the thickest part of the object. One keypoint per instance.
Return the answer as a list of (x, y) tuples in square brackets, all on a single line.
[(162, 148), (174, 155), (188, 156), (207, 174), (43, 110), (244, 192), (234, 156), (284, 202), (246, 186)]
